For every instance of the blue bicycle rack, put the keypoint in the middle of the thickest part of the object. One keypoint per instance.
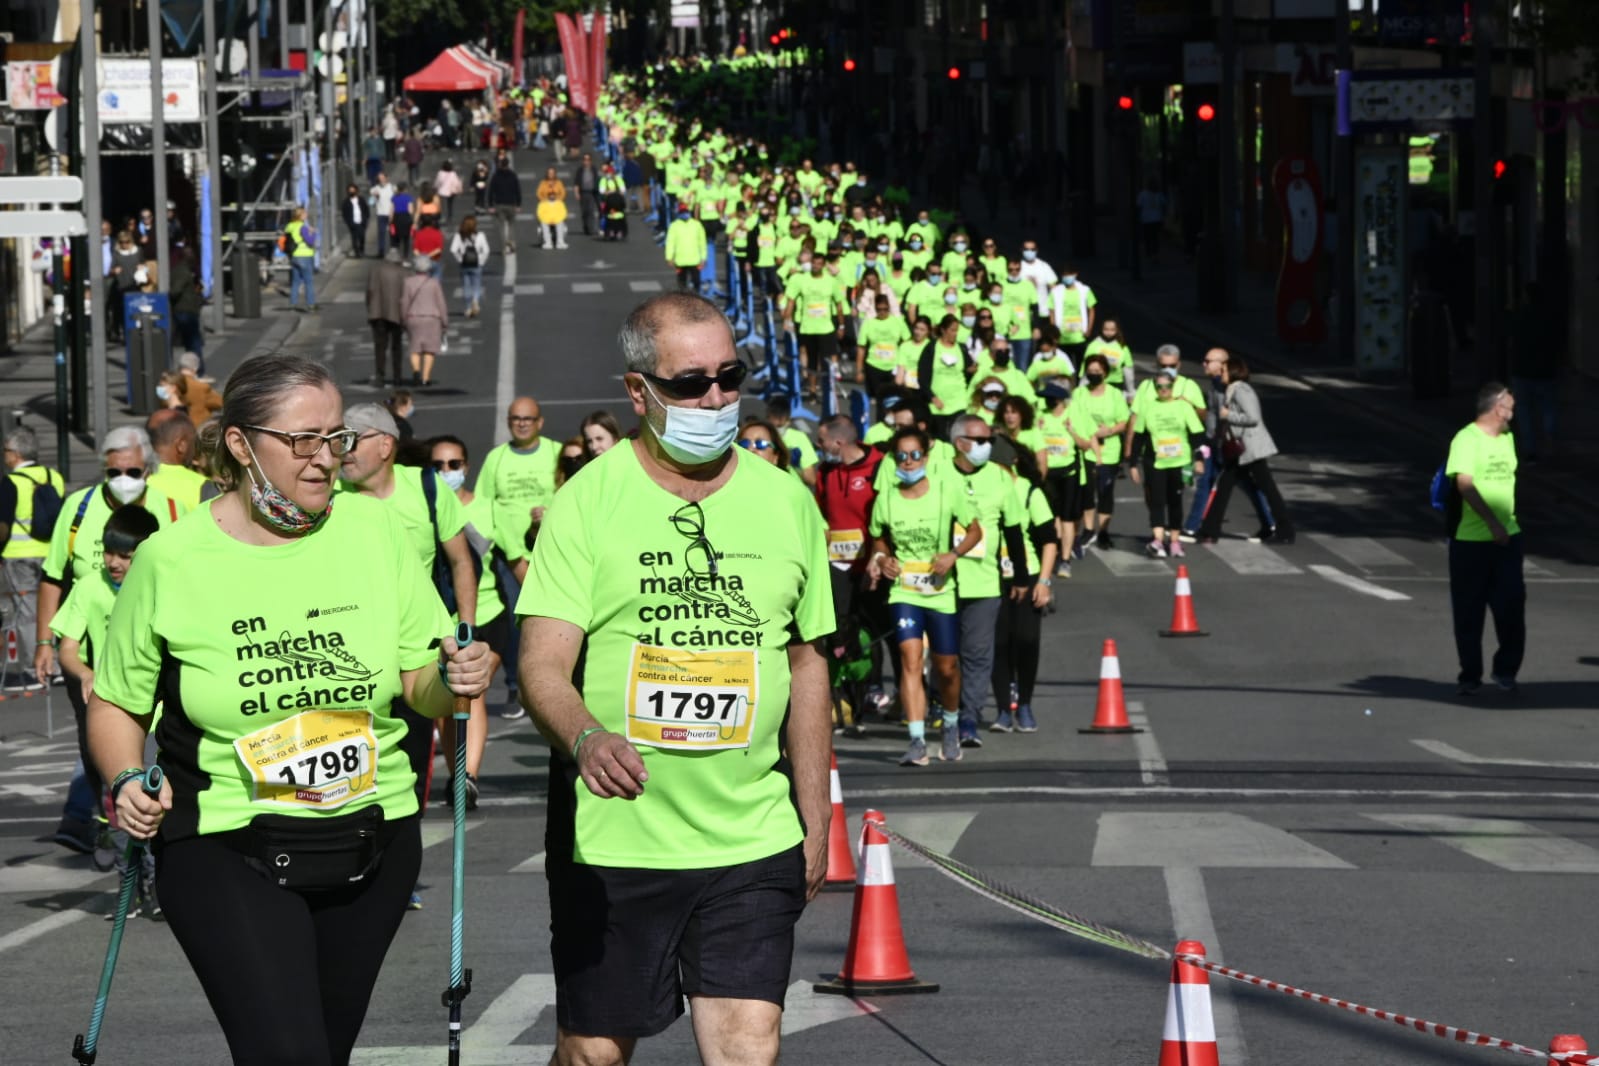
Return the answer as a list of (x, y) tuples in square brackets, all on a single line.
[(859, 411)]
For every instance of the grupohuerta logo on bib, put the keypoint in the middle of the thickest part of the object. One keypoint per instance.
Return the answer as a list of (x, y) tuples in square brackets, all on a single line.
[(298, 670)]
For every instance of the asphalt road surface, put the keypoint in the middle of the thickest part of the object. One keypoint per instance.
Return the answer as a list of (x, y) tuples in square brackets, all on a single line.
[(1310, 799)]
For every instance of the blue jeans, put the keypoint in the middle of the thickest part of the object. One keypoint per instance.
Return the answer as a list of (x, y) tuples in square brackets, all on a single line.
[(80, 798), (1484, 577), (472, 284), (1021, 353), (302, 272)]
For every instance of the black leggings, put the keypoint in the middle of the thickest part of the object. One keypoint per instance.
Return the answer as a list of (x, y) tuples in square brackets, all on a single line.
[(417, 745), (1163, 490), (1016, 641), (1258, 473), (1100, 492), (287, 975)]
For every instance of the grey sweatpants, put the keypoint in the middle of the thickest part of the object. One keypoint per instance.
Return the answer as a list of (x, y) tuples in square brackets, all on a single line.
[(978, 619), (21, 604)]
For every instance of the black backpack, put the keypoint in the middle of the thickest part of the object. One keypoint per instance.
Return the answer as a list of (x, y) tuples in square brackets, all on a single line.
[(443, 577), (46, 504), (469, 255)]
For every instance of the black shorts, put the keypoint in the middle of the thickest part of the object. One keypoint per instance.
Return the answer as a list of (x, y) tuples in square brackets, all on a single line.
[(1063, 488), (629, 944), (817, 348)]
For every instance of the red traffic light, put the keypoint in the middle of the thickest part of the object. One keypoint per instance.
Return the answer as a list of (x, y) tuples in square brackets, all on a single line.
[(1205, 112), (783, 34), (954, 73), (1125, 103), (776, 40), (1500, 166), (849, 64)]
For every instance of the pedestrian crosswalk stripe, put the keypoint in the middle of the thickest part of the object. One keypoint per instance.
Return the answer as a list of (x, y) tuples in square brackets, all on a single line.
[(1350, 581), (586, 287), (1532, 569), (1251, 560), (352, 297), (1361, 552), (1201, 839), (939, 830), (1503, 842), (51, 873), (531, 865), (1130, 564), (530, 289), (644, 286)]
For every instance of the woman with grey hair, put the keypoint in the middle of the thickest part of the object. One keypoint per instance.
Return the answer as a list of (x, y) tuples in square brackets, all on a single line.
[(425, 314), (287, 826)]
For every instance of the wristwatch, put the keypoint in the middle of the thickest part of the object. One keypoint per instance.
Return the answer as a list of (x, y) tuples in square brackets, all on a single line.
[(1046, 582)]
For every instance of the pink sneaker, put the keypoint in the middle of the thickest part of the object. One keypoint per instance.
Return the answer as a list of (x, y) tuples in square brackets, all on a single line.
[(1176, 548)]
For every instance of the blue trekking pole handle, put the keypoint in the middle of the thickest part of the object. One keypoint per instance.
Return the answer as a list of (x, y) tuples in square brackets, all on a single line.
[(85, 1047), (460, 978)]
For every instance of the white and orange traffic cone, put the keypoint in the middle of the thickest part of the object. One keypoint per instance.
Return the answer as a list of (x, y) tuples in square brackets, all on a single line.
[(1183, 621), (840, 859), (875, 963), (1190, 1036), (1110, 713)]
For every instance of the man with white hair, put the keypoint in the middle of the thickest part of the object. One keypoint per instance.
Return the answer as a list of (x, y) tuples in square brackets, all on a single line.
[(77, 551)]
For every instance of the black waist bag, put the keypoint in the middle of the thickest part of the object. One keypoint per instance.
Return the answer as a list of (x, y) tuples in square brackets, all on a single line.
[(316, 854)]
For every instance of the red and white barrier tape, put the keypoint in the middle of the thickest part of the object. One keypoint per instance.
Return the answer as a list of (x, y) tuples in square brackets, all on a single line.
[(1444, 1032)]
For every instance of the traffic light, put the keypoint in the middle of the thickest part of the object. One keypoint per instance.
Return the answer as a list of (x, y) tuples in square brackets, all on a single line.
[(849, 66), (776, 39), (1205, 112), (954, 73), (1125, 103), (1500, 167)]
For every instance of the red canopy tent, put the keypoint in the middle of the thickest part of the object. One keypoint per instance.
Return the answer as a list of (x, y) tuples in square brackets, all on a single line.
[(451, 72)]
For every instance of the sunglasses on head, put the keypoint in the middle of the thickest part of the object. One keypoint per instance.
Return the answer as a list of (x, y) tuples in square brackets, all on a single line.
[(908, 457), (697, 385), (448, 464)]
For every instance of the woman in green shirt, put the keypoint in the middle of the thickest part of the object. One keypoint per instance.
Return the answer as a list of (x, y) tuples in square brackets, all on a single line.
[(1112, 344), (1015, 419), (1172, 432), (1099, 413), (913, 529)]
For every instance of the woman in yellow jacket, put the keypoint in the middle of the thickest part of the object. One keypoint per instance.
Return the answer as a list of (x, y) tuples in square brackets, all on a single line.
[(552, 210)]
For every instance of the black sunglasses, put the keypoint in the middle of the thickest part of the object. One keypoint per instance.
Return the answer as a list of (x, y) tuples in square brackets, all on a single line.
[(448, 464), (908, 457), (132, 471), (697, 385)]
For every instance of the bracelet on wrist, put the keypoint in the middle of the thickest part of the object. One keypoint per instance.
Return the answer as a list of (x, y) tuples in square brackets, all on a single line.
[(581, 737), (123, 778)]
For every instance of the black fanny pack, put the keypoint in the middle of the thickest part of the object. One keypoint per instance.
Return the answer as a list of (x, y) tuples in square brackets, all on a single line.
[(315, 854)]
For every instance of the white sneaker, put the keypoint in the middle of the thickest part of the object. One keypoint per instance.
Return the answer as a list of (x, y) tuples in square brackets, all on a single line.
[(1177, 549), (1155, 549)]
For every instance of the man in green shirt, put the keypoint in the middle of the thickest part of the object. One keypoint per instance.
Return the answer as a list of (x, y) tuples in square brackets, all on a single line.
[(1485, 553), (688, 800)]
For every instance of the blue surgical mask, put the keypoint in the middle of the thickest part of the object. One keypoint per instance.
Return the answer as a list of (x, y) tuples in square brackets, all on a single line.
[(934, 279), (1029, 254), (1070, 279), (693, 435), (996, 297), (967, 320), (453, 478), (981, 450), (910, 477), (959, 246), (916, 246)]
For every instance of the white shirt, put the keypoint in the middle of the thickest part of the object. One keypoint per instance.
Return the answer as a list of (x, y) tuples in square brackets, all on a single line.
[(356, 216), (383, 199), (1042, 275)]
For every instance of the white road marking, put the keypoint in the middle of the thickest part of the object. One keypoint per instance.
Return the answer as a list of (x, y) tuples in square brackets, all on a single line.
[(531, 865), (1362, 552), (585, 288), (1203, 839), (1191, 918), (644, 286), (805, 1009), (1334, 469), (1532, 569), (438, 832), (43, 927), (1449, 751), (939, 830), (505, 376), (528, 290), (1251, 560), (489, 1041), (55, 872), (1350, 581), (1130, 564), (1151, 763), (1502, 842)]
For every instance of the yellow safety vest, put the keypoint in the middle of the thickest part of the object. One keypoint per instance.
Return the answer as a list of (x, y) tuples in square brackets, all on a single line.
[(22, 544)]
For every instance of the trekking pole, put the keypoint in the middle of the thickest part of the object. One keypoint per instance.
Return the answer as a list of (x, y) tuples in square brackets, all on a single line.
[(460, 979), (84, 1048)]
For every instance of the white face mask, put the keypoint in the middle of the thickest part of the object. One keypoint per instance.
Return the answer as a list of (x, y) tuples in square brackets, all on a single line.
[(693, 435), (163, 392), (980, 452), (126, 489), (453, 478)]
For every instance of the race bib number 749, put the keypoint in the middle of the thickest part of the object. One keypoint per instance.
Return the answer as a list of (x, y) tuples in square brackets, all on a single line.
[(694, 700)]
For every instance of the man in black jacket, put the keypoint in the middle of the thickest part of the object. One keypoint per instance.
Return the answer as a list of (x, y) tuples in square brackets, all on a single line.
[(586, 180), (505, 196)]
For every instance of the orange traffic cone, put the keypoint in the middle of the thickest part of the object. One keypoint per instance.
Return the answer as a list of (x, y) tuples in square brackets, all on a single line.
[(1183, 622), (1190, 1037), (840, 861), (1571, 1045), (1110, 715), (875, 963)]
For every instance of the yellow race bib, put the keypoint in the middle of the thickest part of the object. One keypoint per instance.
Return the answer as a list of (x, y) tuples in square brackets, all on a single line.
[(1057, 446), (1169, 447), (919, 577), (691, 700), (317, 760), (816, 309), (844, 545)]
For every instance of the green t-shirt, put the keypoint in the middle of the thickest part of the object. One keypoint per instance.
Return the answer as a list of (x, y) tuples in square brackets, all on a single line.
[(940, 463), (1184, 388), (878, 433), (88, 546), (1096, 412), (691, 667), (515, 482), (1030, 440), (815, 298), (299, 664), (1021, 299), (181, 484), (479, 533), (801, 452), (1035, 505), (1071, 304), (1053, 364), (1491, 462), (1169, 424), (928, 300), (994, 499), (881, 337), (84, 613), (949, 382), (1060, 450), (920, 529), (411, 506)]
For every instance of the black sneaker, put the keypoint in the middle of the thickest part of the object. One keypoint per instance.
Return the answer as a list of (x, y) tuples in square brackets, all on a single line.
[(1262, 535), (1468, 688), (75, 836), (1505, 683), (471, 793)]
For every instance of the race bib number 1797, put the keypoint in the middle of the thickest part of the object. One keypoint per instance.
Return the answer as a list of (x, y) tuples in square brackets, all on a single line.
[(695, 700)]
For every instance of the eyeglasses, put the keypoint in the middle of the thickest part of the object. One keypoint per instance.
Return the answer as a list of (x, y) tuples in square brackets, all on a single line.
[(980, 440), (757, 445), (697, 385), (689, 520), (908, 457), (449, 464), (309, 445), (136, 472)]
